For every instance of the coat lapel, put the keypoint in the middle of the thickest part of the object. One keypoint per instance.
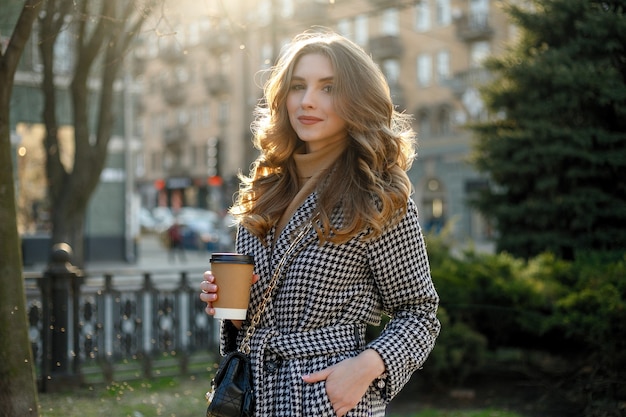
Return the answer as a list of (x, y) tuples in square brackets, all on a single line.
[(300, 217)]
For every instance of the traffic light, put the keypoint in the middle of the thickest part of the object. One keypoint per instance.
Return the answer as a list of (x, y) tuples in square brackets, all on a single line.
[(213, 156)]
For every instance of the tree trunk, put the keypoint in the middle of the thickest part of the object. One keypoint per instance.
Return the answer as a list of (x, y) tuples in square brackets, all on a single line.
[(18, 391)]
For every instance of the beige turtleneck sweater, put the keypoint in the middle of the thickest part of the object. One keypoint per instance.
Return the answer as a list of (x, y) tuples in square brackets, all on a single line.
[(311, 167)]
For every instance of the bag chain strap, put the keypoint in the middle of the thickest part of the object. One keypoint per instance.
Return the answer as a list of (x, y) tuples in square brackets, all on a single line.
[(245, 343)]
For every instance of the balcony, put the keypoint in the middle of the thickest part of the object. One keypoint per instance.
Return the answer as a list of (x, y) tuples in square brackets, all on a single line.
[(174, 93), (385, 47), (175, 136), (472, 78), (217, 85), (473, 27)]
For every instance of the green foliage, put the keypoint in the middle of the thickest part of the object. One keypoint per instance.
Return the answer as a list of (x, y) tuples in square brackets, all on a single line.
[(568, 317), (460, 352), (494, 295), (556, 152), (593, 315)]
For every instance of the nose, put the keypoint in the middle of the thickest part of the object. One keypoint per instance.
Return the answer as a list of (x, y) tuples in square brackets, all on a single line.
[(308, 99)]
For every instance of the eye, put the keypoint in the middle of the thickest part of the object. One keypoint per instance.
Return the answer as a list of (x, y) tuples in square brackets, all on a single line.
[(297, 86), (327, 88)]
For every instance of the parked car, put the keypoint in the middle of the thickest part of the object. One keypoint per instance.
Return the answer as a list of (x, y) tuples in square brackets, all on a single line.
[(163, 217), (201, 229), (146, 221)]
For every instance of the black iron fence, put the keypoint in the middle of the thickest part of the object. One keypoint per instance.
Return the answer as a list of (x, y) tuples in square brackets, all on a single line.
[(116, 325)]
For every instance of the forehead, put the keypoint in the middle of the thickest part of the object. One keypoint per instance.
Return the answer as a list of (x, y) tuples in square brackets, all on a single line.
[(313, 66)]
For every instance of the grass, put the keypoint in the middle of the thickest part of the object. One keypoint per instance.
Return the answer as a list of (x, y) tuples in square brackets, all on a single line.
[(172, 397)]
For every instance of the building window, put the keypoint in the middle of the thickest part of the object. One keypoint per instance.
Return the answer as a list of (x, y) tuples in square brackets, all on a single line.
[(478, 52), (424, 70), (361, 32), (264, 13), (444, 121), (344, 27), (200, 156), (223, 112), (225, 64), (434, 205), (423, 120), (182, 117), (389, 22), (140, 165), (422, 16), (479, 7), (443, 66), (391, 69), (266, 55), (205, 115), (64, 52), (286, 8), (155, 124), (156, 162), (444, 13)]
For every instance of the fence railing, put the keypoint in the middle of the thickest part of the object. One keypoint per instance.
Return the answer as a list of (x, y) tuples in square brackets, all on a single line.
[(116, 325)]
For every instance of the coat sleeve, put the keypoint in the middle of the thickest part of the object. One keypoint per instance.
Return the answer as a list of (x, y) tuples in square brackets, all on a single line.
[(399, 263)]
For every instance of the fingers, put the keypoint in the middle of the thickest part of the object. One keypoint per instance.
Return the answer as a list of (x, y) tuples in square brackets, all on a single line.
[(344, 387), (316, 376), (208, 292), (209, 310), (208, 276)]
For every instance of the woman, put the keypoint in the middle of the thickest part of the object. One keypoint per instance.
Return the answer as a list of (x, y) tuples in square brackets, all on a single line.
[(334, 154)]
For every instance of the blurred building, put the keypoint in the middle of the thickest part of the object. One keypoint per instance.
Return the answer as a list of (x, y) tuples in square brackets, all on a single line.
[(186, 100), (201, 75)]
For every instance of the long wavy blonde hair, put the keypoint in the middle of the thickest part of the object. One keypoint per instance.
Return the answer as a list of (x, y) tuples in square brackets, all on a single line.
[(371, 187)]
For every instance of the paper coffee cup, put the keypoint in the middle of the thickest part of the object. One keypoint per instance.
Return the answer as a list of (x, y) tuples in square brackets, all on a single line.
[(233, 276)]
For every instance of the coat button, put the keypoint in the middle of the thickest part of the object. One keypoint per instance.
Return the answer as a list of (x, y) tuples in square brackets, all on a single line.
[(271, 366)]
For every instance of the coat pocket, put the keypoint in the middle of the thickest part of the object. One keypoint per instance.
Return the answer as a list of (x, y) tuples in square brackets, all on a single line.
[(315, 399)]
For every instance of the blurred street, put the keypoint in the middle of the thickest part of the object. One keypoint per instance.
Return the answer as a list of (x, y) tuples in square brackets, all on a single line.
[(152, 255)]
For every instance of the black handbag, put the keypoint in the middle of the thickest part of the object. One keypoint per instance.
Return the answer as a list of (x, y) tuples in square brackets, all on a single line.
[(232, 393), (231, 390)]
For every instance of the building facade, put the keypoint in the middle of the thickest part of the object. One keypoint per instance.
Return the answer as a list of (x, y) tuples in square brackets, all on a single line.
[(202, 76)]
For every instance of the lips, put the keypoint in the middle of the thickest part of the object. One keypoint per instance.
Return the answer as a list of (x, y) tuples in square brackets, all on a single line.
[(308, 120)]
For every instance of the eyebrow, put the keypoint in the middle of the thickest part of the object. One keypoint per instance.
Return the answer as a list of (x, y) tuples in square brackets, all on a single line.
[(296, 78)]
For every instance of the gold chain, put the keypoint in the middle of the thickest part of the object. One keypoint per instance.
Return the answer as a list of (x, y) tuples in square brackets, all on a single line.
[(245, 343)]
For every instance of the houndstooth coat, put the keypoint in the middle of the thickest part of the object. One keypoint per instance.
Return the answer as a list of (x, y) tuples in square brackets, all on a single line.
[(327, 296)]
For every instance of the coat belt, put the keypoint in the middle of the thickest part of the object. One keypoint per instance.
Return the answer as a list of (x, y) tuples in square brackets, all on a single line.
[(317, 342)]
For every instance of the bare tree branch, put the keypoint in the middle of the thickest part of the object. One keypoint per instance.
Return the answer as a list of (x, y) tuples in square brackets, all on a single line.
[(21, 33)]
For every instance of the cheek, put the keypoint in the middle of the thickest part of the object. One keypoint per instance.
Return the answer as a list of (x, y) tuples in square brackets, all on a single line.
[(291, 103)]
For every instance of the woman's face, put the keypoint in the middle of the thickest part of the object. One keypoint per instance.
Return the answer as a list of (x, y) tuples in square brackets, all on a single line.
[(310, 103)]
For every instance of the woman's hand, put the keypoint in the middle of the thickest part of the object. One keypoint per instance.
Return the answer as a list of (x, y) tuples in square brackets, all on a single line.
[(208, 294), (348, 380)]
